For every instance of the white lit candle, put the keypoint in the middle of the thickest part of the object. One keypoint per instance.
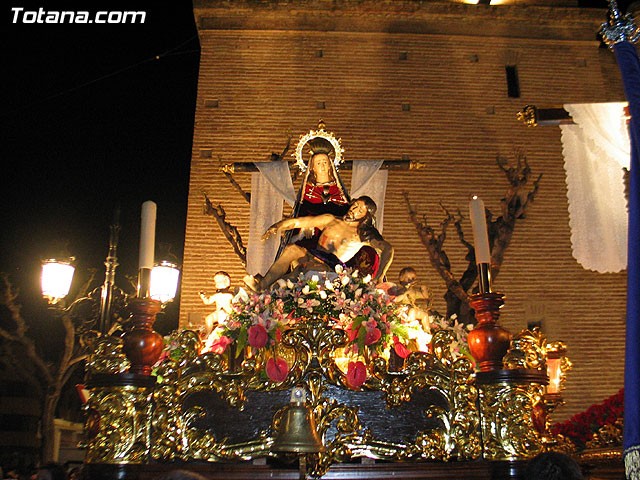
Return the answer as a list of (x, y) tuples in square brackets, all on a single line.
[(147, 234), (479, 225)]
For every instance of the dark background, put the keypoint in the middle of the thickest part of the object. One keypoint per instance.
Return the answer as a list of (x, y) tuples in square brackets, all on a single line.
[(96, 116)]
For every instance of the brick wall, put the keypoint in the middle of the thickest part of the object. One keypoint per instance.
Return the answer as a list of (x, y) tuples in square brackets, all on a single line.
[(266, 70)]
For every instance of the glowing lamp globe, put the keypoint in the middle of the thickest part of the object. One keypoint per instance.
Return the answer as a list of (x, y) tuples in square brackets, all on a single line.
[(164, 281), (554, 371), (56, 278)]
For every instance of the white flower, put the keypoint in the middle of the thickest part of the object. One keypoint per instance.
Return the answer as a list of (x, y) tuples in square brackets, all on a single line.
[(282, 283), (323, 294), (305, 290), (367, 279), (241, 296), (339, 269), (328, 285), (345, 280), (290, 284), (358, 293), (315, 278), (301, 301)]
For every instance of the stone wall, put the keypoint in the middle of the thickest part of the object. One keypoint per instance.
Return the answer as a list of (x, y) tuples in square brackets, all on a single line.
[(425, 81)]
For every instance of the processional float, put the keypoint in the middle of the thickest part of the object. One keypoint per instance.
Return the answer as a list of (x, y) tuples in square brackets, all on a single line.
[(324, 368)]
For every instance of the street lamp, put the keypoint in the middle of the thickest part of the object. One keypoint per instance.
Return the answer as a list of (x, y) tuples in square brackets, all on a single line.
[(164, 281), (56, 278), (157, 285), (56, 281)]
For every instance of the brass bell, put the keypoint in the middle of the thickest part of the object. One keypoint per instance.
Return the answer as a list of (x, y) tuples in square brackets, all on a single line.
[(297, 432)]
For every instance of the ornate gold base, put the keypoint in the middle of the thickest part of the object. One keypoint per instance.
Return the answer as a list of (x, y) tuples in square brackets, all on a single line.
[(204, 409)]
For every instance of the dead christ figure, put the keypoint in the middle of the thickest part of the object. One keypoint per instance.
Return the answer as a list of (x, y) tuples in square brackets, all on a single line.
[(340, 239)]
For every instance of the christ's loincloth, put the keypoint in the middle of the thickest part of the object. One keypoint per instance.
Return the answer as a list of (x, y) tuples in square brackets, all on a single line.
[(326, 257)]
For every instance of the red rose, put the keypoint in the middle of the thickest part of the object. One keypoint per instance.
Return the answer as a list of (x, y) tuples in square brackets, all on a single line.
[(258, 336), (219, 345), (356, 374), (372, 336), (277, 369)]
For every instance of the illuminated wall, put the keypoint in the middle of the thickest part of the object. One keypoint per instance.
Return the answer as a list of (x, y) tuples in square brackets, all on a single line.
[(425, 81)]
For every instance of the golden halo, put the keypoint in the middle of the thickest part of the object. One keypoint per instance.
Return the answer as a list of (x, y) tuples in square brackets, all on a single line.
[(319, 133)]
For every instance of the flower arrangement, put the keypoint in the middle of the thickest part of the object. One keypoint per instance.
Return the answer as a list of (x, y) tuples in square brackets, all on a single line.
[(373, 322), (581, 427)]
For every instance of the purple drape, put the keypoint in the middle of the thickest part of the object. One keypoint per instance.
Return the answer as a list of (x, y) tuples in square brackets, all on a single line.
[(629, 63)]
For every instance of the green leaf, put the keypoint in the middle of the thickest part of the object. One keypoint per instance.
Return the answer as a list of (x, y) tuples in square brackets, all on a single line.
[(400, 331), (357, 322), (361, 336), (241, 341)]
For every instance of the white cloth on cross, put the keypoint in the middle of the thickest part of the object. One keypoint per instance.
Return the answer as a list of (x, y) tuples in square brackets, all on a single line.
[(269, 187), (595, 150), (368, 179)]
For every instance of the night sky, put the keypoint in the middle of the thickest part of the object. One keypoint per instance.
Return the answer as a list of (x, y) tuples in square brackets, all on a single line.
[(94, 116)]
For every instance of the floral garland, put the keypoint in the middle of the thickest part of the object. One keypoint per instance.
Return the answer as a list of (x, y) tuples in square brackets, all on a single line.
[(373, 321), (581, 427)]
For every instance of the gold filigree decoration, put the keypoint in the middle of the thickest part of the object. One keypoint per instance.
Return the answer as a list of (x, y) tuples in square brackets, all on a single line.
[(528, 349), (528, 115), (310, 349), (122, 420), (507, 426), (135, 429), (106, 356), (607, 436)]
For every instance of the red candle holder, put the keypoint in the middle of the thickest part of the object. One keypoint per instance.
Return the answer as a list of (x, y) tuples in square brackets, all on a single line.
[(488, 342), (141, 344)]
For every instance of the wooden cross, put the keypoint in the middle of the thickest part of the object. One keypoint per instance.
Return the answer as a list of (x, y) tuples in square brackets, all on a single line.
[(242, 167)]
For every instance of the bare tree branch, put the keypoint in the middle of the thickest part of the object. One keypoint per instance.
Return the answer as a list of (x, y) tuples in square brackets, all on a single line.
[(230, 232), (8, 295), (434, 245), (513, 207), (227, 171)]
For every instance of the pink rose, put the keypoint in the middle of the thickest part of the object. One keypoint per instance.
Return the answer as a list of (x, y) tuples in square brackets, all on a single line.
[(356, 374), (258, 336), (372, 336), (277, 369), (219, 345)]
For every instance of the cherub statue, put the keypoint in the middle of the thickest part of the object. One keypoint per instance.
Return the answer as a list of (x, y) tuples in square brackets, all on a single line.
[(339, 241), (411, 291), (221, 300)]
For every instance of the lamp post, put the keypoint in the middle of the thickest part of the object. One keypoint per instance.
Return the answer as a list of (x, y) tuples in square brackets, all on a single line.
[(57, 276), (157, 283)]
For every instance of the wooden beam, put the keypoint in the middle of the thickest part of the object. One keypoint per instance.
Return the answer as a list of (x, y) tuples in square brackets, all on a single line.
[(533, 116), (241, 167)]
